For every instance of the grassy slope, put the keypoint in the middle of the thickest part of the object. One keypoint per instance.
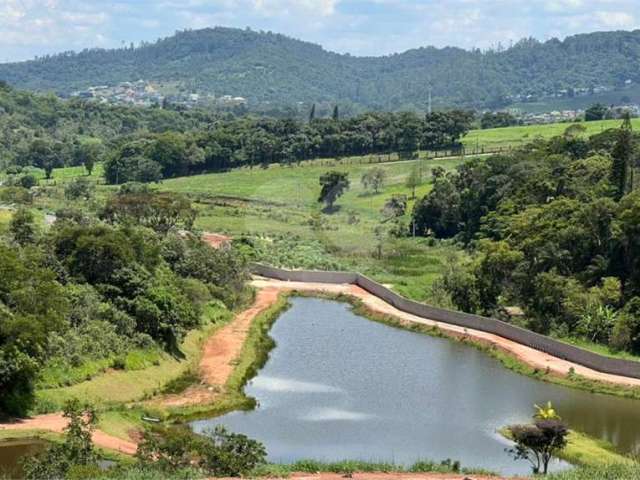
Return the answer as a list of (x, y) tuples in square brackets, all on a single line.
[(411, 265), (514, 136), (114, 387)]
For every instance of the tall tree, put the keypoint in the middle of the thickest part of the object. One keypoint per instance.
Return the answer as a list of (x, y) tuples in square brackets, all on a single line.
[(333, 185), (336, 113), (414, 180), (374, 178), (312, 113), (622, 156), (22, 227)]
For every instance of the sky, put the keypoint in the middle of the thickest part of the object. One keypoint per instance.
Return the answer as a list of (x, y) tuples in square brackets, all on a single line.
[(30, 28)]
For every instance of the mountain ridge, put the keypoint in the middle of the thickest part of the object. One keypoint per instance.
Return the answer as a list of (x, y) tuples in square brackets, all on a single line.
[(272, 67)]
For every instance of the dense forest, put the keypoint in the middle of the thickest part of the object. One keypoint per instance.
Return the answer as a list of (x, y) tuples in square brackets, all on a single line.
[(268, 67), (151, 144), (100, 286), (26, 118), (553, 228)]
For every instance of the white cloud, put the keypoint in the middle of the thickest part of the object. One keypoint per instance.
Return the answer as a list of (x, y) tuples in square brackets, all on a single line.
[(278, 7), (360, 27), (616, 19)]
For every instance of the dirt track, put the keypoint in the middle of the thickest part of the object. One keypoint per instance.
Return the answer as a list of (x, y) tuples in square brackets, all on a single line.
[(55, 422)]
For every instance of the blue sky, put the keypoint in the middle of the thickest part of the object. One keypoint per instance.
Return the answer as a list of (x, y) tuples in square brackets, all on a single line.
[(359, 27)]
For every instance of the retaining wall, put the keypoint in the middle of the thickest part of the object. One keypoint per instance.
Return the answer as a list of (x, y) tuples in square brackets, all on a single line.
[(614, 366)]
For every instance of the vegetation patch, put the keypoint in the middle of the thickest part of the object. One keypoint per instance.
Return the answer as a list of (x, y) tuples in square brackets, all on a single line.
[(121, 386), (348, 467)]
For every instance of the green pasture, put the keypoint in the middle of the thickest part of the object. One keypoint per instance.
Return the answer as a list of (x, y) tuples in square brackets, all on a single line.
[(281, 202), (495, 138)]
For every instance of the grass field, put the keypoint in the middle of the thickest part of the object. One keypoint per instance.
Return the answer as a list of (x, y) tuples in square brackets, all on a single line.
[(280, 202), (514, 136)]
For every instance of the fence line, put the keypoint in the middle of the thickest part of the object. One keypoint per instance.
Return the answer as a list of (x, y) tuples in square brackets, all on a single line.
[(613, 366)]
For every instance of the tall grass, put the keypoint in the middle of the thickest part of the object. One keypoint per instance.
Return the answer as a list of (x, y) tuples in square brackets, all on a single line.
[(353, 466), (606, 472)]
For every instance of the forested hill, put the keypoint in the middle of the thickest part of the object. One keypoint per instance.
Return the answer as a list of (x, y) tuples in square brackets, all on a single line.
[(273, 67)]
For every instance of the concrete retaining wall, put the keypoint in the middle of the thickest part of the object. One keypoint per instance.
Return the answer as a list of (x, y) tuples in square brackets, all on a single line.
[(614, 366)]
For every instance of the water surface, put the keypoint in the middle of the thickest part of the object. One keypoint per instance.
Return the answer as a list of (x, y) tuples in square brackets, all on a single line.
[(340, 386), (13, 451)]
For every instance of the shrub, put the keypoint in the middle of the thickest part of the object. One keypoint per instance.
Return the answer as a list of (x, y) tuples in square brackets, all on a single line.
[(28, 181), (75, 454), (219, 452), (539, 442), (80, 188), (231, 454)]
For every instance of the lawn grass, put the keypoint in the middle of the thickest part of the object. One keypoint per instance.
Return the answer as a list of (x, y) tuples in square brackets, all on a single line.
[(60, 374)]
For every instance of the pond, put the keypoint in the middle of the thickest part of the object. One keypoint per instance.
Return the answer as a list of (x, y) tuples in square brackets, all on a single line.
[(338, 386), (11, 453)]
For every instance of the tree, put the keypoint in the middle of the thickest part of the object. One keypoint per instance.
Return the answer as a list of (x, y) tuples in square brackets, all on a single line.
[(374, 178), (28, 181), (79, 188), (438, 213), (574, 131), (540, 441), (312, 113), (626, 330), (161, 211), (414, 180), (622, 157), (87, 154), (380, 233), (394, 207), (46, 155), (333, 186), (22, 227), (231, 454), (336, 114), (76, 450), (497, 120), (595, 112)]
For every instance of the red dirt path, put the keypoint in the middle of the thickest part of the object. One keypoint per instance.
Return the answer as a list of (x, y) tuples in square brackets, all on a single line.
[(55, 422)]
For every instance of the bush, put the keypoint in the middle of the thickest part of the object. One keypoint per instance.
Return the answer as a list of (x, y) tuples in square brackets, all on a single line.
[(219, 452), (80, 188), (231, 454), (626, 331), (28, 181)]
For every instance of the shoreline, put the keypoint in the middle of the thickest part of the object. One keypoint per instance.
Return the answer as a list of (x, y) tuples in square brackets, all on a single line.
[(223, 369), (538, 361)]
